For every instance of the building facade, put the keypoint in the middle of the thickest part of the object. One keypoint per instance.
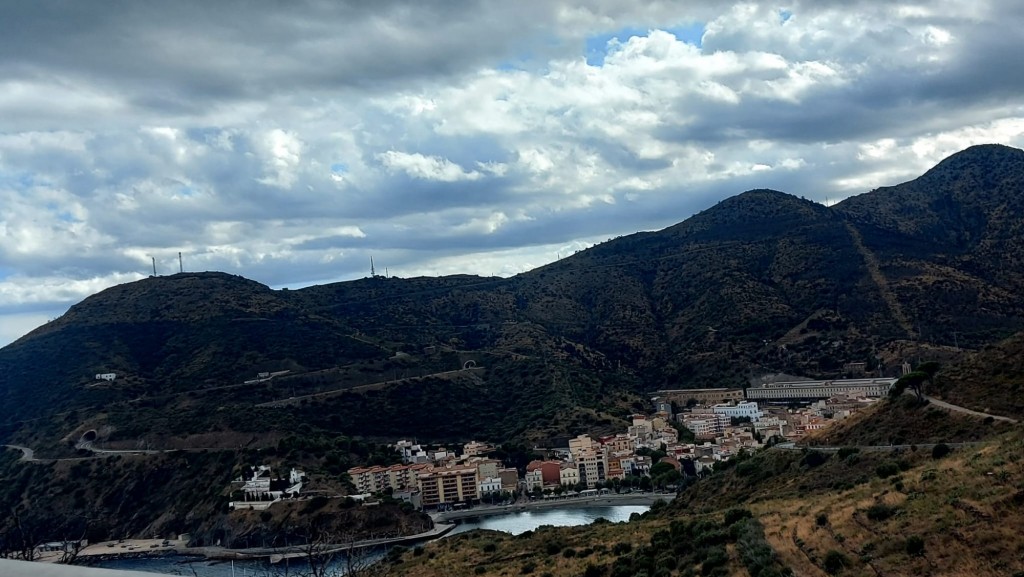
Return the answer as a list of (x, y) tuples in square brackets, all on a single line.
[(454, 485), (804, 390)]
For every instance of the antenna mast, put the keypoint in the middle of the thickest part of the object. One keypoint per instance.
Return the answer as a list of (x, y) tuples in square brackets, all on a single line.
[(373, 272), (154, 265), (181, 267)]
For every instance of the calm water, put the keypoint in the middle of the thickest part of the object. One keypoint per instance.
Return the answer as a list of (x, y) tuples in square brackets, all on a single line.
[(514, 523)]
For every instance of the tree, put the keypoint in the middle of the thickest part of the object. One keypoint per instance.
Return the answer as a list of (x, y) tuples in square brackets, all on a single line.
[(328, 553), (670, 477), (930, 368), (660, 468), (915, 382)]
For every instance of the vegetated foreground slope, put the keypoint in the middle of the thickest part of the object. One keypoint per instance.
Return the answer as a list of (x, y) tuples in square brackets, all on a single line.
[(934, 511), (992, 380), (761, 282)]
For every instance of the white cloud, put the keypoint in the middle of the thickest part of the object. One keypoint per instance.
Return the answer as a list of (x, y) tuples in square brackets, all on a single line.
[(282, 154), (417, 165), (286, 144)]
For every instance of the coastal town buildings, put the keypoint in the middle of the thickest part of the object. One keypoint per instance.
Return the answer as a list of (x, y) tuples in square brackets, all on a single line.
[(710, 426)]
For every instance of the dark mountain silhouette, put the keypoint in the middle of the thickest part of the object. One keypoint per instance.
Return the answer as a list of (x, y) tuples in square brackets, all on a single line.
[(763, 281)]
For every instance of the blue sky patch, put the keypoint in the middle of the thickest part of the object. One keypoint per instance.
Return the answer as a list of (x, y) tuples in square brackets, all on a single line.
[(597, 46)]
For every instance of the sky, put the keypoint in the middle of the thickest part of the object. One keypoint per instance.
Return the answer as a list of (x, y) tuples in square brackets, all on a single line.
[(291, 141)]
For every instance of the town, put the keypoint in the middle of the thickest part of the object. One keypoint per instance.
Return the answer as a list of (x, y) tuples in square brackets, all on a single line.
[(686, 435)]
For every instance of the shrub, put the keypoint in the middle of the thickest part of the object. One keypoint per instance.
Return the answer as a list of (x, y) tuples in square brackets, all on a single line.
[(734, 515), (847, 451), (479, 570), (553, 548), (814, 458), (568, 552), (528, 568), (716, 557), (594, 570), (746, 469), (490, 547), (821, 520), (266, 516), (835, 562), (940, 451), (887, 469), (915, 546), (881, 512), (417, 551), (622, 548)]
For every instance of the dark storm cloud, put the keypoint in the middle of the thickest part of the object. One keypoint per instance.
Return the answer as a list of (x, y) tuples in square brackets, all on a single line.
[(176, 55), (288, 141)]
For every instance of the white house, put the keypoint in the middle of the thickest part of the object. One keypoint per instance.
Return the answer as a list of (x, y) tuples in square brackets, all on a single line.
[(106, 376), (490, 485), (569, 475), (534, 479)]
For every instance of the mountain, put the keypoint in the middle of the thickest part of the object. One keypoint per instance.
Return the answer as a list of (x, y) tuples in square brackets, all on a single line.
[(760, 282), (237, 373)]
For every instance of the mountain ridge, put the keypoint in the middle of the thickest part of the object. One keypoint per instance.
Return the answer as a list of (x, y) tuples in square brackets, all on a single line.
[(761, 281)]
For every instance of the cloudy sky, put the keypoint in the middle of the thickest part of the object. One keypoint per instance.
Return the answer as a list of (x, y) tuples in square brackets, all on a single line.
[(290, 141)]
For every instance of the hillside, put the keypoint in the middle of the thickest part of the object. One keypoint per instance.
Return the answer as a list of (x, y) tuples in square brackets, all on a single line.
[(761, 282)]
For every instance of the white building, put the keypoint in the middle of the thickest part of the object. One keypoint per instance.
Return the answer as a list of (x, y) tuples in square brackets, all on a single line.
[(745, 409), (106, 376), (411, 452), (569, 476), (534, 480), (490, 485)]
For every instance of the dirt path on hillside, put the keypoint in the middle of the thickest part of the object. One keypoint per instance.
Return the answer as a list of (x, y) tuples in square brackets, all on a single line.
[(871, 261)]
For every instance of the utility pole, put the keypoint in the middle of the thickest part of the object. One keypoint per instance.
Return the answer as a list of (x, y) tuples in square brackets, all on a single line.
[(373, 272), (181, 267), (154, 265)]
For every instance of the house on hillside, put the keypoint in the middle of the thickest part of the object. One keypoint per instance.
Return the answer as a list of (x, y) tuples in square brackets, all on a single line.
[(260, 486)]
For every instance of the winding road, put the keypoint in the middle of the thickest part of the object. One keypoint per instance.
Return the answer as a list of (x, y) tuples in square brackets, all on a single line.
[(966, 411)]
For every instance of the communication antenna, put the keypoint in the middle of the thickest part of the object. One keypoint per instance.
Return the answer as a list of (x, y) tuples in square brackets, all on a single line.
[(154, 265), (373, 271), (181, 267)]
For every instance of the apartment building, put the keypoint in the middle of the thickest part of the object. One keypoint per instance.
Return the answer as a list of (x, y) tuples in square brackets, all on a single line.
[(449, 485), (395, 477), (592, 467), (581, 444)]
